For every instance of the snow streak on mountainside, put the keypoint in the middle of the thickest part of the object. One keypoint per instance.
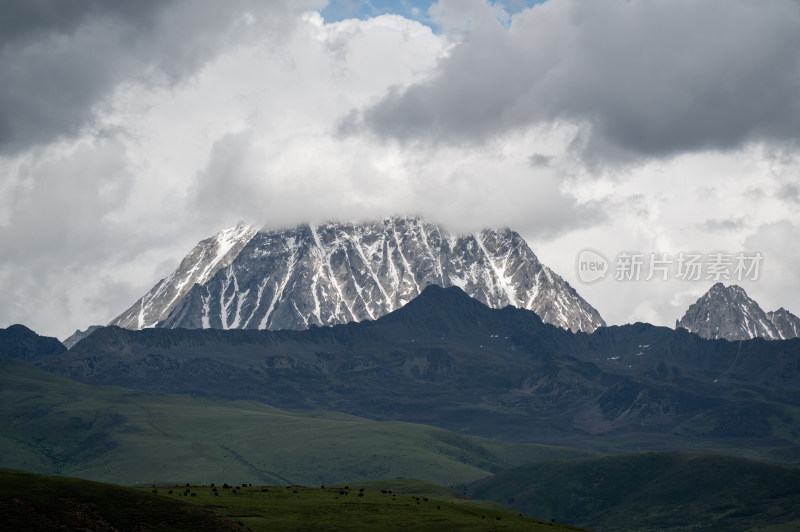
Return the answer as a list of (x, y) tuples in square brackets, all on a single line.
[(200, 265), (728, 312), (339, 273)]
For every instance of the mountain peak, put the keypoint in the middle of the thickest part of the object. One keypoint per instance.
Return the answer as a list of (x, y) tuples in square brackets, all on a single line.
[(787, 324), (438, 305), (339, 272), (728, 312), (732, 291), (451, 299)]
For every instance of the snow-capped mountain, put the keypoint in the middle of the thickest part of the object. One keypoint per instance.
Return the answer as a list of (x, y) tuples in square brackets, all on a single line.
[(728, 312), (787, 324), (200, 265), (343, 272)]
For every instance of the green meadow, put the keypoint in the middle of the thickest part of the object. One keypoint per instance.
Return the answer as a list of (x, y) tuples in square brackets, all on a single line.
[(42, 503), (398, 505), (57, 426)]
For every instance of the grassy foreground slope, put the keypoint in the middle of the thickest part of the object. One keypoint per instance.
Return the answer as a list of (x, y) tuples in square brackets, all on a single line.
[(30, 502), (664, 491), (40, 503), (57, 426), (396, 505)]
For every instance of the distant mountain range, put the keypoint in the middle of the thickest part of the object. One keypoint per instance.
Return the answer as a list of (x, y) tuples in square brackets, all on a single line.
[(448, 360), (336, 273), (349, 272), (727, 312)]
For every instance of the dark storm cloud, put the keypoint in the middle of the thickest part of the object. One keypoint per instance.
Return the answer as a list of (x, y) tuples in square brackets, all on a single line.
[(59, 59), (641, 78), (31, 19)]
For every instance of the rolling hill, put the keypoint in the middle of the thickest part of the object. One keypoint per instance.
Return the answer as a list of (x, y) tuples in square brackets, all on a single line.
[(57, 426), (35, 503), (646, 491)]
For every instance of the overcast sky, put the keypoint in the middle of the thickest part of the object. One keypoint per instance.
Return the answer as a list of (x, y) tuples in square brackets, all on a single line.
[(129, 131)]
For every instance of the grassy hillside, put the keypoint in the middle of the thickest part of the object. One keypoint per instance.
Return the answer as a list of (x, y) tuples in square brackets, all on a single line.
[(378, 505), (668, 491), (30, 502), (40, 503), (56, 426)]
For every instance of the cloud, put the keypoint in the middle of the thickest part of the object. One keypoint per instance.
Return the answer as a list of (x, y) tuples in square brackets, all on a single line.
[(30, 20), (778, 285), (641, 79), (59, 60), (790, 192), (58, 233), (718, 225)]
